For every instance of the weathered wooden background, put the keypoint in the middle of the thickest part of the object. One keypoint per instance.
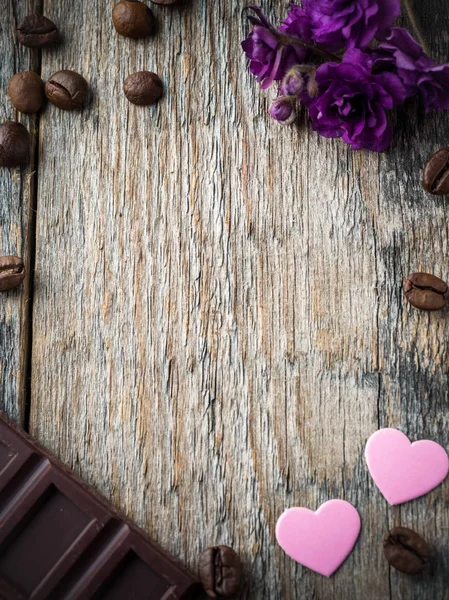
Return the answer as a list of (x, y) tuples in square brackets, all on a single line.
[(215, 323)]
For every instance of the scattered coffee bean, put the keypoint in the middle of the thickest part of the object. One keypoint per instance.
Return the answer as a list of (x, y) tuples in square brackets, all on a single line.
[(12, 272), (143, 88), (219, 572), (67, 90), (406, 551), (35, 31), (425, 291), (436, 173), (133, 19), (26, 90), (14, 144)]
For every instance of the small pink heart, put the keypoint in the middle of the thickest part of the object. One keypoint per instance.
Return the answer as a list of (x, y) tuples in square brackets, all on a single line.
[(402, 470), (319, 540)]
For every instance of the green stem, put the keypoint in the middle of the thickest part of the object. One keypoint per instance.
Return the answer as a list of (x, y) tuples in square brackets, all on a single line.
[(415, 25), (286, 39)]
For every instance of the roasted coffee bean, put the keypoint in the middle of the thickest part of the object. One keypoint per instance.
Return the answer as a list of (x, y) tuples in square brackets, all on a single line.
[(35, 31), (26, 90), (406, 551), (219, 572), (143, 88), (14, 144), (67, 90), (12, 272), (133, 19), (425, 291), (436, 173)]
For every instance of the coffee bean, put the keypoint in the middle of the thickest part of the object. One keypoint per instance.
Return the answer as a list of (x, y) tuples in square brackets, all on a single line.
[(143, 88), (425, 291), (133, 19), (12, 272), (219, 572), (14, 144), (35, 31), (67, 90), (26, 90), (436, 173), (406, 551)]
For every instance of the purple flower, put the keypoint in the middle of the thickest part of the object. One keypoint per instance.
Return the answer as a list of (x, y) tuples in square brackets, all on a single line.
[(293, 82), (352, 102), (270, 58), (398, 52), (338, 24), (297, 24), (283, 110)]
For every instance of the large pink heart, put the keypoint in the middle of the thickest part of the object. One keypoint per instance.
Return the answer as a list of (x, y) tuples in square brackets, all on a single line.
[(319, 540), (402, 470)]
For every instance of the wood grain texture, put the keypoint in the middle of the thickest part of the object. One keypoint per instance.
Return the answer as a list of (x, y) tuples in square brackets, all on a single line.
[(219, 323), (16, 204)]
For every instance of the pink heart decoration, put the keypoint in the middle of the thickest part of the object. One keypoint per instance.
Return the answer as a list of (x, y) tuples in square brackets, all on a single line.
[(401, 470), (319, 540)]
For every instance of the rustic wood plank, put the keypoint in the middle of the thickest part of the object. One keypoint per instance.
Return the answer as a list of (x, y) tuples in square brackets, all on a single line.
[(16, 220), (414, 359), (218, 322)]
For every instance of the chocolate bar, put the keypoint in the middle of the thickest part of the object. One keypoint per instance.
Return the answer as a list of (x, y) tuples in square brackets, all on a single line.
[(61, 540)]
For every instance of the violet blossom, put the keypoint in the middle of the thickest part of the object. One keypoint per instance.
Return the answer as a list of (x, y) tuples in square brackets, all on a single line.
[(293, 82), (398, 52), (339, 24), (353, 102), (270, 57), (283, 110), (351, 94), (297, 24)]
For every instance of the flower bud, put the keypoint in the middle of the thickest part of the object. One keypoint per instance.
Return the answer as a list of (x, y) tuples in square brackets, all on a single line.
[(283, 110), (293, 82), (312, 86)]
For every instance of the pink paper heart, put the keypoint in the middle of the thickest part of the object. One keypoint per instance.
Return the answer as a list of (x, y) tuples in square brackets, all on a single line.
[(402, 470), (319, 540)]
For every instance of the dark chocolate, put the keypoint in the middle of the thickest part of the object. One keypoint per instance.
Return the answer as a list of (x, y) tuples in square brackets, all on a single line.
[(60, 540)]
